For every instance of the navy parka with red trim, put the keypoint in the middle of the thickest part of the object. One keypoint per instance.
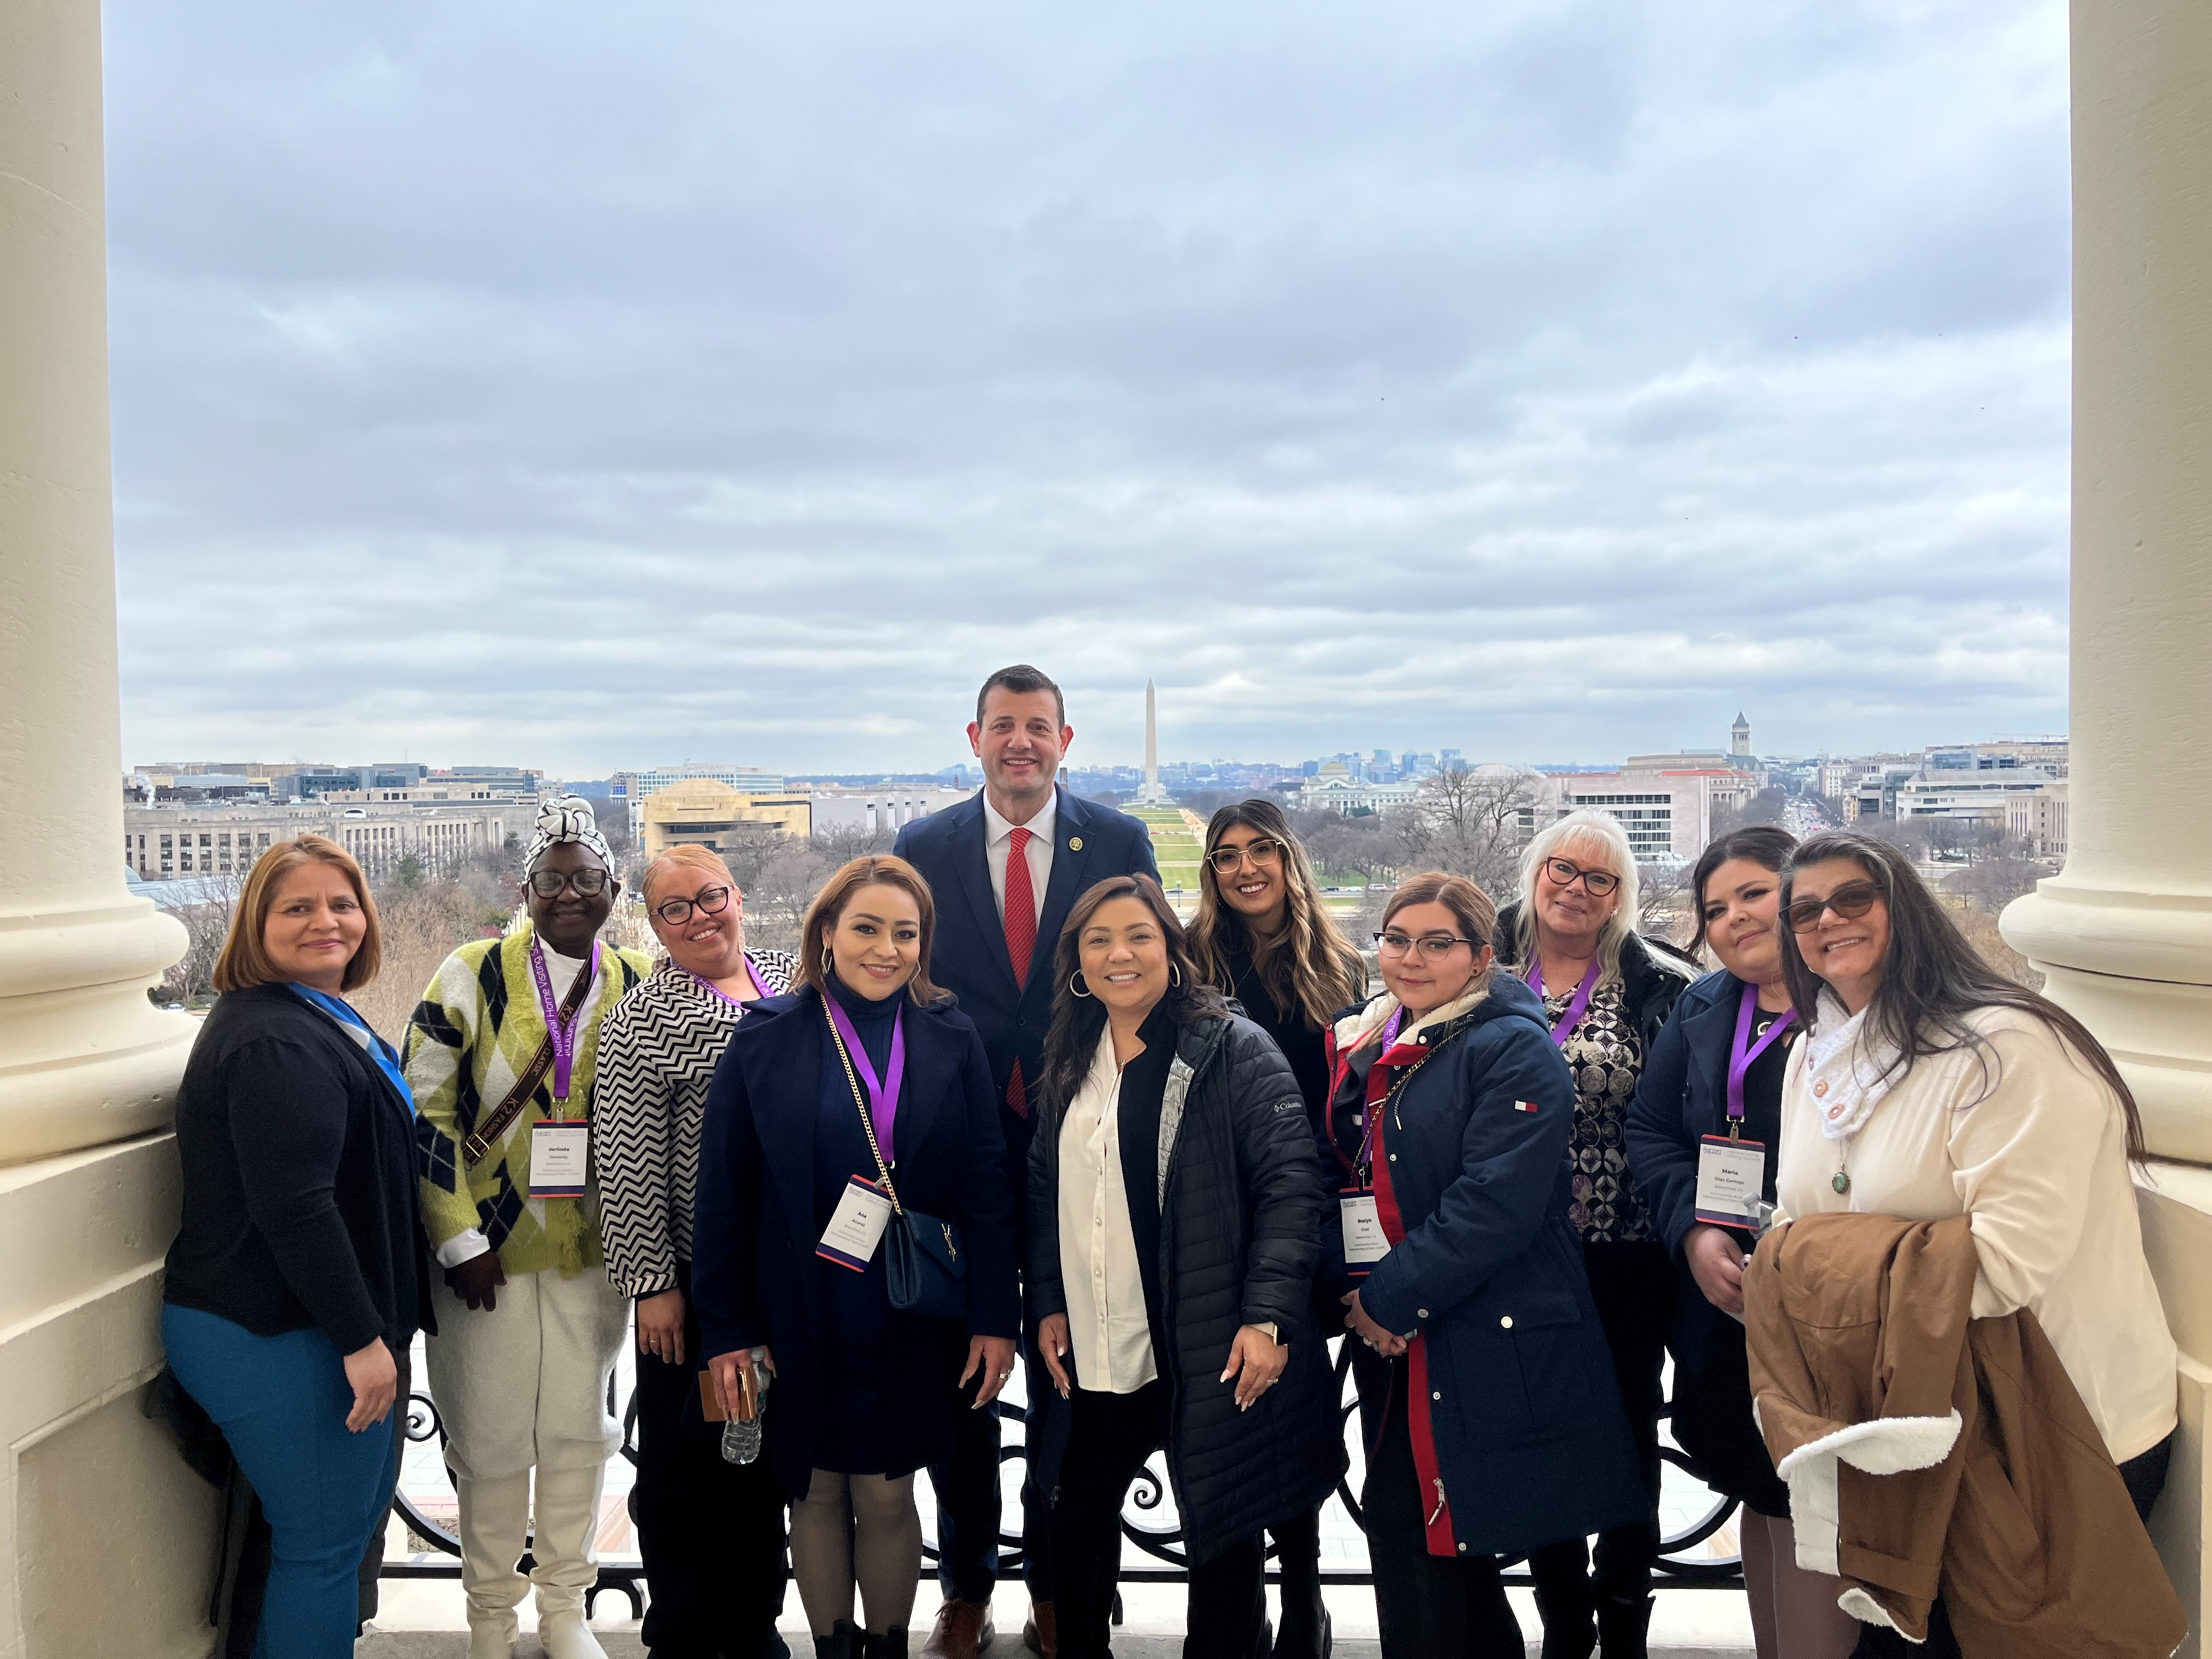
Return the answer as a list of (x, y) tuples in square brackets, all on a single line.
[(1522, 1418)]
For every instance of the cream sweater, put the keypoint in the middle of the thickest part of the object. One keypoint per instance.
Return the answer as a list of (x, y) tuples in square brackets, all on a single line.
[(2032, 1149)]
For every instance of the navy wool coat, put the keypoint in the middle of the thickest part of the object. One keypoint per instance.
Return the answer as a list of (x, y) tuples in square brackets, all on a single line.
[(1530, 1437), (968, 954), (754, 1273), (1240, 1219)]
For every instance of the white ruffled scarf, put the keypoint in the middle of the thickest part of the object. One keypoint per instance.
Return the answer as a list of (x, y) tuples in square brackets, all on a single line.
[(1847, 1070)]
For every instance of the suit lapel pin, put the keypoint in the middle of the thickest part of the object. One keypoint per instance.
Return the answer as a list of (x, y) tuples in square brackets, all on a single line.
[(1075, 843)]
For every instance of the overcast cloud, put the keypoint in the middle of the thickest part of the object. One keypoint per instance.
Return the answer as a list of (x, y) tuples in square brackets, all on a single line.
[(590, 386)]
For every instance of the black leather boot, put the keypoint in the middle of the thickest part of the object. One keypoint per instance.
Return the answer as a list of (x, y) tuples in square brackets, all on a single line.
[(1567, 1601), (1623, 1624), (891, 1645), (843, 1642)]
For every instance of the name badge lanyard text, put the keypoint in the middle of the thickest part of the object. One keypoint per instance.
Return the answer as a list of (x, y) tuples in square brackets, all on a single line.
[(563, 1033), (1742, 1051), (882, 1092), (1564, 1026)]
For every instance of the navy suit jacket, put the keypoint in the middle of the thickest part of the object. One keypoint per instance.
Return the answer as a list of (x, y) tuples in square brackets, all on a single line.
[(968, 956)]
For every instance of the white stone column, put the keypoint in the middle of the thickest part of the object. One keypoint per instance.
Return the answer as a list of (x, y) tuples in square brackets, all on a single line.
[(2125, 934), (105, 1536)]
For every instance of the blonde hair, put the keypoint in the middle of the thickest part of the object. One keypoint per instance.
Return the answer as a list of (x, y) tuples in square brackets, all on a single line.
[(687, 855), (244, 961), (1579, 828), (880, 869)]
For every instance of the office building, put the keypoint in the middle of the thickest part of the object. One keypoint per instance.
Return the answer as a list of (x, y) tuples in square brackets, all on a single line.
[(707, 812), (873, 811), (163, 843)]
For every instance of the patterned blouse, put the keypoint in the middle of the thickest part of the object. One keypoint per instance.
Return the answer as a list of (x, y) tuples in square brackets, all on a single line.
[(657, 1057), (1606, 1058)]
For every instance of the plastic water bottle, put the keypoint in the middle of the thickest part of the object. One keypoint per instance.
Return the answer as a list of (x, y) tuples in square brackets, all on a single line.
[(741, 1441)]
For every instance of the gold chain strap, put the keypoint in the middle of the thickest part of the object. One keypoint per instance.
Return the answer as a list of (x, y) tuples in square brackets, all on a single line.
[(867, 1122)]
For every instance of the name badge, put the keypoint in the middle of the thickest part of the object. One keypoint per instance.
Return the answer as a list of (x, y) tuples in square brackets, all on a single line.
[(1365, 1243), (856, 1226), (560, 1156), (1731, 1177)]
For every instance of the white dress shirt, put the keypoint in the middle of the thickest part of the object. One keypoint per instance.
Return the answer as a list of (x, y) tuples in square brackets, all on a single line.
[(1098, 1270), (998, 841)]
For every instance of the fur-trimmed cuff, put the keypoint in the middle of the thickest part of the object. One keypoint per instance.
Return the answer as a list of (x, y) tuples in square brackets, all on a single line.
[(1883, 1446)]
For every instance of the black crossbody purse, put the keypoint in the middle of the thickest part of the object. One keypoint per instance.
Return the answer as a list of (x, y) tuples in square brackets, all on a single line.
[(923, 1267)]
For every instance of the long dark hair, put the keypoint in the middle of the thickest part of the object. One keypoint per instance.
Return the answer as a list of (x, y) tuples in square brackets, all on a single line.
[(1077, 1021), (1309, 968), (1767, 845), (1931, 978)]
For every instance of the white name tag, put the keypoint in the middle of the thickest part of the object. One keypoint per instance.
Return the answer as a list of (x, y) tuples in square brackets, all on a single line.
[(1731, 1179), (856, 1226), (1365, 1243), (560, 1156)]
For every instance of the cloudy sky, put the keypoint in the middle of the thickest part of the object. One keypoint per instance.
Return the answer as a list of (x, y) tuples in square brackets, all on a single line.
[(591, 386)]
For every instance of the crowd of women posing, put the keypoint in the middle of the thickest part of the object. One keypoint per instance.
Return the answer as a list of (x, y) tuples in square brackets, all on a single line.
[(1515, 1176)]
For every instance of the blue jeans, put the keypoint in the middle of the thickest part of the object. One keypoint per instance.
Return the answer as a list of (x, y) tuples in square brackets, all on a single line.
[(282, 1403)]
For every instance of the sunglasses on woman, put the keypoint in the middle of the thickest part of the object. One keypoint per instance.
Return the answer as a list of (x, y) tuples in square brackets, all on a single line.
[(711, 900), (1849, 901), (547, 883), (1262, 852)]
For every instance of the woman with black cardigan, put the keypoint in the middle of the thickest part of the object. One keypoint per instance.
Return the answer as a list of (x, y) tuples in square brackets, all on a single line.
[(300, 1270), (865, 1056), (1174, 1221), (1263, 935)]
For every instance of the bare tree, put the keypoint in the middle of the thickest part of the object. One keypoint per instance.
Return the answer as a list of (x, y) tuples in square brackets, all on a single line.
[(1666, 908), (1362, 845), (845, 843), (1763, 807), (207, 920), (1466, 821)]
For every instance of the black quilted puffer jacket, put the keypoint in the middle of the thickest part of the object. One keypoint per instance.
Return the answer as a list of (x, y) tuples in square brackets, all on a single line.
[(1240, 1226)]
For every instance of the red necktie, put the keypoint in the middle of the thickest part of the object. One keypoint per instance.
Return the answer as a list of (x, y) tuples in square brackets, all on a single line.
[(1021, 940)]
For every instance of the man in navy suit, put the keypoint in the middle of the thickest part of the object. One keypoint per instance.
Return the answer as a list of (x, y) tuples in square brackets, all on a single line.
[(1005, 867)]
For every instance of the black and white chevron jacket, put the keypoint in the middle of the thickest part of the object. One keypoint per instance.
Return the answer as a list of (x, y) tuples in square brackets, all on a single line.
[(657, 1054)]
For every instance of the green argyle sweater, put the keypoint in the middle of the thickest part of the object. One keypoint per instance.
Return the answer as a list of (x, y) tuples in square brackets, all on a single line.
[(473, 1033)]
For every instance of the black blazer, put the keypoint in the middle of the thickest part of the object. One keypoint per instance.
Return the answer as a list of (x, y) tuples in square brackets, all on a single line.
[(968, 956), (301, 1204), (754, 1276)]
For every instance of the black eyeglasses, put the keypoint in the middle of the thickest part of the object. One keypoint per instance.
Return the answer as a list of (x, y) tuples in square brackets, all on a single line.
[(1435, 946), (589, 884), (1262, 852), (1596, 883), (1849, 901), (712, 900)]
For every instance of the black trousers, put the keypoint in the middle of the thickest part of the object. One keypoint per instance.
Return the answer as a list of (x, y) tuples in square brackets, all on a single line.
[(1305, 1616), (969, 1508), (711, 1532), (1110, 1438), (2145, 1478), (1430, 1606), (1634, 1285)]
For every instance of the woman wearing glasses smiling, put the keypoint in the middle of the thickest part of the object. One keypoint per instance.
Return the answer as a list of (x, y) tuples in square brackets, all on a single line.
[(1492, 1425), (1263, 935), (1607, 991), (711, 1532), (503, 1055), (1929, 1085)]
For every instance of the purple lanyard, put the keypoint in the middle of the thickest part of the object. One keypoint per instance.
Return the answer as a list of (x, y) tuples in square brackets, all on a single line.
[(1564, 1026), (752, 972), (882, 1092), (1740, 1057), (564, 1036)]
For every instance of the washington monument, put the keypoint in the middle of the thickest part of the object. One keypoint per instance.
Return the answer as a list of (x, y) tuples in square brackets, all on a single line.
[(1152, 794)]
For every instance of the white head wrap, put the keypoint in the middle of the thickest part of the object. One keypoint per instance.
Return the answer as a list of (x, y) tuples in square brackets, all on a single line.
[(569, 818)]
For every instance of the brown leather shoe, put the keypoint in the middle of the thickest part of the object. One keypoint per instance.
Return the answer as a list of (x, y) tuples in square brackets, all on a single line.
[(1041, 1634), (963, 1629)]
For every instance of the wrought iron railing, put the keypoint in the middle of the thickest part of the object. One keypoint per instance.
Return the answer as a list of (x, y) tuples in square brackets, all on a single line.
[(1677, 1568)]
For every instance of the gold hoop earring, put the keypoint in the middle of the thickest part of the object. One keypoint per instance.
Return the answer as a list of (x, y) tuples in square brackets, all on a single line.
[(1174, 976), (829, 963), (1076, 987)]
